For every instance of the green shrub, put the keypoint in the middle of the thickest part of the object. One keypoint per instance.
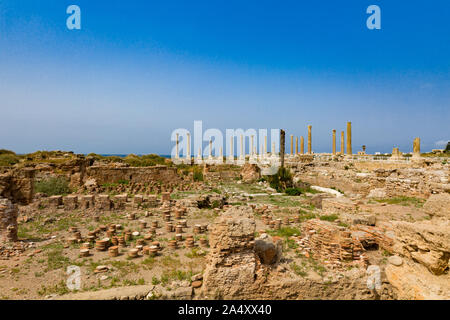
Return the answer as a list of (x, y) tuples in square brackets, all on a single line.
[(4, 151), (281, 180), (198, 174), (8, 159), (53, 186), (293, 191), (330, 217)]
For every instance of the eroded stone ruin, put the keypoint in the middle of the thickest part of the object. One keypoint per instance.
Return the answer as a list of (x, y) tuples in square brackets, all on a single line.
[(360, 227)]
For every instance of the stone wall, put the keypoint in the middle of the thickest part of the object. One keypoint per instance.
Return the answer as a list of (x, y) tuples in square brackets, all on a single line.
[(18, 185), (158, 173), (411, 180), (8, 221)]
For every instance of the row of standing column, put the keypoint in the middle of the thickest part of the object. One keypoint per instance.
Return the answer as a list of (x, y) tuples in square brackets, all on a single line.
[(334, 151)]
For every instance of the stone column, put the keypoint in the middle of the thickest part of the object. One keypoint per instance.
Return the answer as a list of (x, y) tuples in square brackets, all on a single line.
[(273, 148), (292, 145), (265, 145), (251, 146), (188, 147), (242, 147), (342, 142), (231, 148), (309, 140), (334, 141), (349, 138), (177, 151), (302, 145), (282, 145), (8, 221), (210, 148), (296, 145), (416, 148)]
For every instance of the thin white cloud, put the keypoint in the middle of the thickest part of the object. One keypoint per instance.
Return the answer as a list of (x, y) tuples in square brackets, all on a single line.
[(441, 143)]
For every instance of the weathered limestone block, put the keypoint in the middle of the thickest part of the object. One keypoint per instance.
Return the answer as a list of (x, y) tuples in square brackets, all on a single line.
[(138, 199), (86, 202), (268, 251), (8, 221), (165, 196), (91, 185), (338, 205), (70, 202), (55, 201), (317, 199), (425, 242), (177, 290), (102, 202), (377, 193), (358, 218), (153, 201), (232, 261), (250, 173), (413, 282), (438, 205), (119, 201)]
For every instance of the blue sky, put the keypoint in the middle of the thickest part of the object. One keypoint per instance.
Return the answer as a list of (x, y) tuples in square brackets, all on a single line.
[(139, 69)]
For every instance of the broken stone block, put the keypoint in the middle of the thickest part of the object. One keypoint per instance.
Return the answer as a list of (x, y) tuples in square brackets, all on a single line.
[(102, 202), (438, 205), (138, 199), (232, 261), (250, 173), (55, 201), (425, 242), (8, 221), (70, 202), (317, 199), (359, 218), (339, 205), (119, 201), (86, 202), (165, 196), (268, 251)]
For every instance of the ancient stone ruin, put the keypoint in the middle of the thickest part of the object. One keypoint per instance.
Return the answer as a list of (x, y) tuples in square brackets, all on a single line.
[(8, 221)]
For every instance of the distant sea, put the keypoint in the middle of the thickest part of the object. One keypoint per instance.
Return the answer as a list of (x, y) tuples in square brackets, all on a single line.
[(124, 155)]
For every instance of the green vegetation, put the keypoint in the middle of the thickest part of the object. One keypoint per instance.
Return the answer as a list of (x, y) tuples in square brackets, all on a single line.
[(285, 232), (132, 159), (403, 201), (8, 158), (59, 288), (299, 270), (293, 191), (281, 180), (198, 174), (298, 191), (53, 186), (330, 217)]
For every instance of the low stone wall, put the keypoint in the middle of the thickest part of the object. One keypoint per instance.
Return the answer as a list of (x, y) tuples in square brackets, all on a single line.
[(161, 174), (101, 202)]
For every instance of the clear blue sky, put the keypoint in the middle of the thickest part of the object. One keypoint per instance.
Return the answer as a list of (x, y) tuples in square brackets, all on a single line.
[(139, 69)]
